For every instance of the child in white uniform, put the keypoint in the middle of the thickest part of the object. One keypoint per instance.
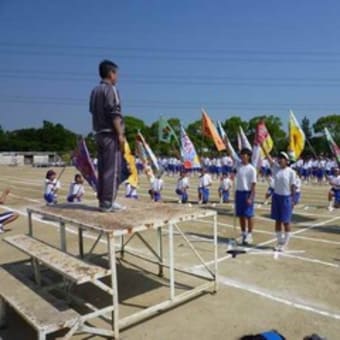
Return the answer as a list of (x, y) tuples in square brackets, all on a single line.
[(76, 190), (7, 216), (52, 186), (156, 188), (224, 188), (205, 182), (182, 187)]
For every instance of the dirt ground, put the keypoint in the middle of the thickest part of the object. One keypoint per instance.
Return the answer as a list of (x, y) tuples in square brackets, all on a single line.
[(296, 292)]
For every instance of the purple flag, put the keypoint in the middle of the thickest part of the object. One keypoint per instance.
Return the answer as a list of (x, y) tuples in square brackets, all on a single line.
[(82, 161)]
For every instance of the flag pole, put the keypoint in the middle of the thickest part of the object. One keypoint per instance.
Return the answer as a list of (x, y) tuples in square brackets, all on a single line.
[(311, 147)]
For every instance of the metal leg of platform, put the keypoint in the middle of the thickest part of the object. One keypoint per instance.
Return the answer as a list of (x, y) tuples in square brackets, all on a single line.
[(30, 224), (81, 242), (3, 315), (171, 261), (36, 270), (114, 282), (122, 245), (160, 252), (215, 231), (63, 236)]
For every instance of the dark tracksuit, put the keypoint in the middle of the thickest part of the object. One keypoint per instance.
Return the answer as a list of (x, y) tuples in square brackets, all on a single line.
[(105, 106)]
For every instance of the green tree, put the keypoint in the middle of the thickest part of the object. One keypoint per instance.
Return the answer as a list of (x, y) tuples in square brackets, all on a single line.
[(332, 122), (231, 126), (3, 140), (132, 126), (305, 126)]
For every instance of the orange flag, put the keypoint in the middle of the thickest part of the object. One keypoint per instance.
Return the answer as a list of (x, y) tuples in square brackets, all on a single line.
[(209, 130)]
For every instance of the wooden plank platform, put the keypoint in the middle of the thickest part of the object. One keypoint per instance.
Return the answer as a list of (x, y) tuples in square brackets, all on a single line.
[(41, 310), (138, 215), (67, 265)]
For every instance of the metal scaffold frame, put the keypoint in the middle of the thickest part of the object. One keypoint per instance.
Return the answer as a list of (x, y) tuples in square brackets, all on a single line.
[(116, 242)]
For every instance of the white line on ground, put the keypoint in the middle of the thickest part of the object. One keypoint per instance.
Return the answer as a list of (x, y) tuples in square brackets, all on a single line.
[(260, 231), (307, 259), (268, 295), (273, 240)]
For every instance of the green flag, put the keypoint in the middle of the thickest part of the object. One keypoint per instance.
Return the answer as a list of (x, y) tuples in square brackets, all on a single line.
[(332, 145), (165, 131)]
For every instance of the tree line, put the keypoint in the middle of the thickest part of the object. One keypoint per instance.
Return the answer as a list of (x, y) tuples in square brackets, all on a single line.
[(55, 137)]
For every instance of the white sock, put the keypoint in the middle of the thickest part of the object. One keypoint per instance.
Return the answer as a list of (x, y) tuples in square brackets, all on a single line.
[(244, 234), (279, 237), (286, 238)]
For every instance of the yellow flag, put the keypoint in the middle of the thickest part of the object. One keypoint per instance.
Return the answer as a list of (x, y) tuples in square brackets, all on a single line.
[(296, 137), (209, 130), (130, 160)]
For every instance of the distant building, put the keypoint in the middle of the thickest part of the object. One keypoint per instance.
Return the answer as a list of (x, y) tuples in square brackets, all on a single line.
[(38, 159)]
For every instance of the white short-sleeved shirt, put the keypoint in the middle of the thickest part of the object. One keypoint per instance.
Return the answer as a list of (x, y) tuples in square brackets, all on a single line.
[(51, 186), (183, 183), (226, 184), (245, 176), (335, 182), (76, 189), (157, 184), (284, 178), (205, 181)]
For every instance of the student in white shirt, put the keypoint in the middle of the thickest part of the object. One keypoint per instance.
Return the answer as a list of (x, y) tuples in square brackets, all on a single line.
[(298, 184), (205, 182), (76, 190), (283, 198), (334, 192), (7, 216), (224, 188), (182, 187), (52, 186), (130, 190), (156, 188), (245, 192)]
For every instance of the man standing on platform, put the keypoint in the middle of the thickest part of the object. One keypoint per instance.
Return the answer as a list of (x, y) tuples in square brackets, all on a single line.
[(108, 126)]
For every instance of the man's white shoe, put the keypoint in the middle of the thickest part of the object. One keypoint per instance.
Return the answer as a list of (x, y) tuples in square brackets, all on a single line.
[(116, 206)]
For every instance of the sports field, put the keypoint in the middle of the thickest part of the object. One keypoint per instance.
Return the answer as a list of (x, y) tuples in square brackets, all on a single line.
[(296, 292)]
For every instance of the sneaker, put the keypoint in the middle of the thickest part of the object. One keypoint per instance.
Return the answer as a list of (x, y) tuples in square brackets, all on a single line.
[(330, 208), (1, 229), (249, 239), (244, 240), (279, 247), (105, 206), (116, 206)]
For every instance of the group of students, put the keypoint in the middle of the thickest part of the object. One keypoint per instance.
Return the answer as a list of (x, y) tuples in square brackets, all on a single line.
[(309, 169), (52, 186), (183, 184)]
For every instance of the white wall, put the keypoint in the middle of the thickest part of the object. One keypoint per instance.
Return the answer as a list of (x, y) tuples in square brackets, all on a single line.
[(9, 159)]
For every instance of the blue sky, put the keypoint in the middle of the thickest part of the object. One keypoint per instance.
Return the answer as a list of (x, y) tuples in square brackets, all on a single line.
[(240, 58)]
